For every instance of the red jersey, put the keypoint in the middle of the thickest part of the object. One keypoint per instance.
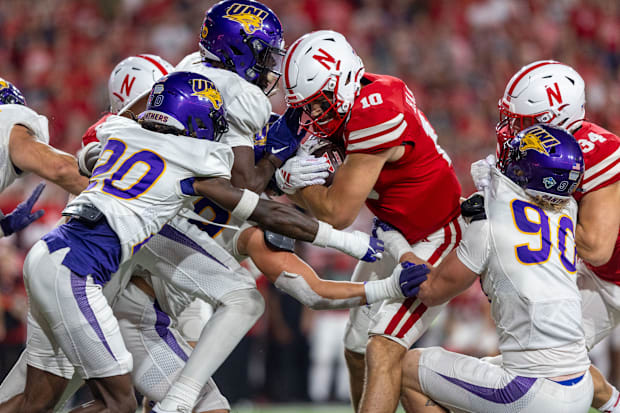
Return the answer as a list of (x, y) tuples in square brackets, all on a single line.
[(419, 193), (601, 151), (91, 134)]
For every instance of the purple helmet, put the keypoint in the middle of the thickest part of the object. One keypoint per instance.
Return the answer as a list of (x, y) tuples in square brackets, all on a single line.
[(9, 94), (188, 102), (246, 37), (544, 160)]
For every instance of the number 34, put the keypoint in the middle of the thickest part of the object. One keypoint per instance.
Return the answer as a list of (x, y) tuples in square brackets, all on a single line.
[(540, 226)]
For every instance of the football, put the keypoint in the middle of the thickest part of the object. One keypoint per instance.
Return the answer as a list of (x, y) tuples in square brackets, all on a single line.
[(334, 154)]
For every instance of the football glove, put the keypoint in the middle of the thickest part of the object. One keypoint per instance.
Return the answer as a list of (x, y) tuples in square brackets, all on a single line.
[(301, 171), (22, 215), (283, 137), (395, 243), (481, 172)]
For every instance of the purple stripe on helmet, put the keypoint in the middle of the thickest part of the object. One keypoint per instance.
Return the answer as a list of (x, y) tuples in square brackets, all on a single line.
[(78, 286), (171, 233), (510, 393), (161, 326)]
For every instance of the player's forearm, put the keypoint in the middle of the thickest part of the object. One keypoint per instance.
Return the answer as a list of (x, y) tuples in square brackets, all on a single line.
[(63, 171), (592, 248), (324, 204), (255, 178)]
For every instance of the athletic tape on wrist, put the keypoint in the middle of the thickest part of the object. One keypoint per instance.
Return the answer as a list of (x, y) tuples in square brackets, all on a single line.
[(246, 206), (323, 234)]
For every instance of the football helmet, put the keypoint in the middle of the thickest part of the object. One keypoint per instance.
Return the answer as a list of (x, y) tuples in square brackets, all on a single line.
[(189, 103), (246, 37), (545, 91), (134, 76), (322, 74), (9, 94), (545, 160)]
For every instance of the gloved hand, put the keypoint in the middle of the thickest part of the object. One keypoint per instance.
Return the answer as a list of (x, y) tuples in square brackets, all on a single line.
[(301, 171), (283, 137), (375, 249), (22, 216), (410, 276), (404, 282), (87, 158), (481, 172), (395, 243)]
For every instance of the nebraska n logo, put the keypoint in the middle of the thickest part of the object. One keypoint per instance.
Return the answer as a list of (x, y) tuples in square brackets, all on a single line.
[(554, 93), (323, 58), (126, 85)]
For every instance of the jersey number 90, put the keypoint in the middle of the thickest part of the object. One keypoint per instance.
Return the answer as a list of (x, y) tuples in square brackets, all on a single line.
[(538, 225)]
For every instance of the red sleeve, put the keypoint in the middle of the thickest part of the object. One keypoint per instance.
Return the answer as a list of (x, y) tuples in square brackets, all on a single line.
[(91, 133), (601, 152), (383, 116)]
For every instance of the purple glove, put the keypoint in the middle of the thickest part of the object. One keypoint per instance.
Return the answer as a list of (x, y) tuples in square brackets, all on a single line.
[(382, 225), (411, 277), (21, 216), (375, 250), (283, 137)]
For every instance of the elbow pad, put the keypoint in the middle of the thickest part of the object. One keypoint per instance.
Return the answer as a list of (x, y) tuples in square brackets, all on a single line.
[(297, 287)]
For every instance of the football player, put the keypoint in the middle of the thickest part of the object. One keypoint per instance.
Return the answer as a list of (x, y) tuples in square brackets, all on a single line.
[(24, 148), (551, 92), (135, 189), (524, 255), (395, 166)]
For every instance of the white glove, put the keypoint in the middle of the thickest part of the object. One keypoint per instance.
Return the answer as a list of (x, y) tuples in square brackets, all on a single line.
[(87, 157), (481, 172), (301, 171)]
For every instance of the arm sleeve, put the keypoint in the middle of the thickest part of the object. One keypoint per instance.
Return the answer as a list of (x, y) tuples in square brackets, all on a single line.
[(217, 163), (473, 251), (247, 114), (23, 115)]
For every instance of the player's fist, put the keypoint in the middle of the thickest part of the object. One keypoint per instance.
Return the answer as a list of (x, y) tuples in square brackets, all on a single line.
[(410, 277)]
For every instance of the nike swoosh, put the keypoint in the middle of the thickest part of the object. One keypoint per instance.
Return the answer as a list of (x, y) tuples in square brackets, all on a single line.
[(274, 151)]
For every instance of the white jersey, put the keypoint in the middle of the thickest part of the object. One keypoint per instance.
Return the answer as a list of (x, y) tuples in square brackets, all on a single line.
[(527, 256), (137, 181), (247, 107), (11, 115)]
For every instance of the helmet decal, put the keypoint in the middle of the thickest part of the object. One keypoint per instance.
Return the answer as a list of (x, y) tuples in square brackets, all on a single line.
[(205, 89), (9, 94), (554, 93), (538, 139), (323, 58), (249, 17)]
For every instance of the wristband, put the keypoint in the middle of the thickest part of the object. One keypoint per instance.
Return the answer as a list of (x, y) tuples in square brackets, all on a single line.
[(323, 234), (246, 205), (379, 290)]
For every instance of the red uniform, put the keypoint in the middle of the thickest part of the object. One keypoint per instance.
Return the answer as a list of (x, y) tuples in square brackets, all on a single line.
[(601, 151), (91, 134), (419, 193)]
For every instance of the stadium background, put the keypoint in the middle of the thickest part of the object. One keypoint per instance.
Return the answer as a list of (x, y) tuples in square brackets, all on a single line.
[(456, 56)]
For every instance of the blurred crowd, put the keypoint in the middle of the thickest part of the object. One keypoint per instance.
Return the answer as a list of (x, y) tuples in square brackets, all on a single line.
[(456, 56)]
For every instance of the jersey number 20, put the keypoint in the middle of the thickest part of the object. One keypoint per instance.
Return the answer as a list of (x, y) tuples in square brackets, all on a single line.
[(154, 163)]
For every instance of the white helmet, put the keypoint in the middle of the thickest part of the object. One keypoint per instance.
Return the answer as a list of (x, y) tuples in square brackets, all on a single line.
[(133, 77), (319, 62), (545, 91)]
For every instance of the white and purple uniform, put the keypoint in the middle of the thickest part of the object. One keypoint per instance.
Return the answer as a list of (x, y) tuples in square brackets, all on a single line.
[(526, 259), (11, 115), (140, 181)]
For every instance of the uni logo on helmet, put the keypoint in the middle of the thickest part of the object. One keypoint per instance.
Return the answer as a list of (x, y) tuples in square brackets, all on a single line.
[(3, 84), (250, 17), (539, 140), (206, 90)]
